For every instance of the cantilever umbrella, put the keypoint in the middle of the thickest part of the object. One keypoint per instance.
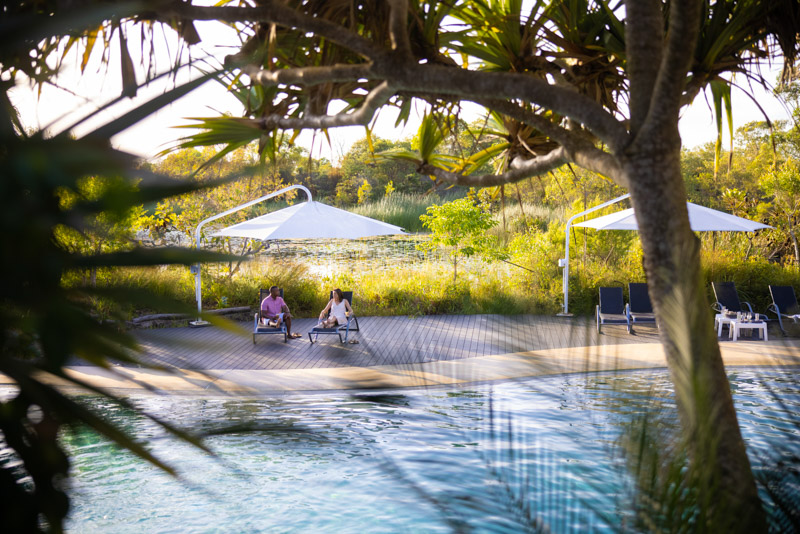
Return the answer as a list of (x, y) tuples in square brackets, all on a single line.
[(702, 219), (307, 220)]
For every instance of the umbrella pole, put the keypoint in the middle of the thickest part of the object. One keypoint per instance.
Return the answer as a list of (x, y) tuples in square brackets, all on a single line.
[(564, 262), (195, 269)]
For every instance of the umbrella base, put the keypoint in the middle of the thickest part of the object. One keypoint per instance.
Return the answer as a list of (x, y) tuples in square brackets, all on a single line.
[(199, 323), (562, 314)]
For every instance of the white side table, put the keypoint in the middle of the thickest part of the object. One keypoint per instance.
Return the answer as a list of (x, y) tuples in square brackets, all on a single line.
[(738, 326), (720, 320)]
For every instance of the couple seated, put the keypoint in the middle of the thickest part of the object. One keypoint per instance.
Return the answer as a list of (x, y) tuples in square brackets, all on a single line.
[(274, 316)]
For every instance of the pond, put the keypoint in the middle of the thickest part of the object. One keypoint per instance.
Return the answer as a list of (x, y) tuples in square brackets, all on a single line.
[(502, 455), (323, 257)]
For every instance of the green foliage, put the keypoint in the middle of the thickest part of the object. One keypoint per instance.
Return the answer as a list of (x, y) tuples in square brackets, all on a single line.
[(459, 226), (59, 197), (364, 192)]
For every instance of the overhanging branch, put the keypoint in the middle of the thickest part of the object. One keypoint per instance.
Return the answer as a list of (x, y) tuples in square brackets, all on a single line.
[(269, 11), (307, 76), (578, 148), (472, 85), (521, 169), (374, 100)]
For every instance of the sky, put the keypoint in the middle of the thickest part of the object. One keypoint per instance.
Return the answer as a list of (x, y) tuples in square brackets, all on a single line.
[(57, 109)]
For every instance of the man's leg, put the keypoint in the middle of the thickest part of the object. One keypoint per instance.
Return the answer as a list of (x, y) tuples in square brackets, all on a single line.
[(287, 317)]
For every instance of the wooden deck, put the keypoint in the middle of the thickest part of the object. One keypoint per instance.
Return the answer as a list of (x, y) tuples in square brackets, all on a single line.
[(382, 341)]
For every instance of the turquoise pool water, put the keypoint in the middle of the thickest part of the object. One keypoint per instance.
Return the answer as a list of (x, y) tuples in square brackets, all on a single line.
[(494, 457)]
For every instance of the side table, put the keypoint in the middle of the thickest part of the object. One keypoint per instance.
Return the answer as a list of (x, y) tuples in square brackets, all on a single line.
[(737, 326)]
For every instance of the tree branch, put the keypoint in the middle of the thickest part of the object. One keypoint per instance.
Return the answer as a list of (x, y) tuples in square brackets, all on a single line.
[(398, 27), (520, 169), (481, 85), (375, 99), (547, 127), (307, 75), (684, 28), (644, 26), (578, 148), (269, 11)]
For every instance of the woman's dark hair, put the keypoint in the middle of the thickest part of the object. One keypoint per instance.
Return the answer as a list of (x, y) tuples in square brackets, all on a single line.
[(339, 294)]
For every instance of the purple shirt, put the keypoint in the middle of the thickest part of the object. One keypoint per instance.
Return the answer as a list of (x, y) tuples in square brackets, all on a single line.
[(272, 307)]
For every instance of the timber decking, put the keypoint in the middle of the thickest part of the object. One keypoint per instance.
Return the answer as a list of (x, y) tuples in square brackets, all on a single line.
[(382, 341)]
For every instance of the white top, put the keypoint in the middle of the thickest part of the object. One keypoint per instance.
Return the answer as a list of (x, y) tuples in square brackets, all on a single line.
[(339, 311)]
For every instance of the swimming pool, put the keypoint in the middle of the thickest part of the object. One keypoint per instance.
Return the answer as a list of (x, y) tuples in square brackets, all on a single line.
[(500, 455)]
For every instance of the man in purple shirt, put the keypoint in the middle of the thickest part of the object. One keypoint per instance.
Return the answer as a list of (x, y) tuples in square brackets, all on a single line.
[(275, 309)]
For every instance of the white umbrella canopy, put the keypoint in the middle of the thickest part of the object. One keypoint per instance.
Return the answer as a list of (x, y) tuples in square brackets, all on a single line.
[(309, 220), (702, 219)]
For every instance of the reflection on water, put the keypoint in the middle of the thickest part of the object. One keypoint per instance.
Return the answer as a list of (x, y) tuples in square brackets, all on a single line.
[(323, 257), (502, 455), (326, 256)]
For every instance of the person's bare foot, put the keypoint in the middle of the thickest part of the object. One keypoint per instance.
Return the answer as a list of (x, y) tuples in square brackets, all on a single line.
[(295, 335)]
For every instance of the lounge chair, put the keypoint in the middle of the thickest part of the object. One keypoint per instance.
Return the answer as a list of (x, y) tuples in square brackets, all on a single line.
[(784, 304), (727, 297), (259, 326), (639, 308), (350, 326), (611, 309)]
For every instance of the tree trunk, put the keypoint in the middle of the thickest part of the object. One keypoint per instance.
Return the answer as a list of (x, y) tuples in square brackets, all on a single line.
[(796, 248), (702, 392)]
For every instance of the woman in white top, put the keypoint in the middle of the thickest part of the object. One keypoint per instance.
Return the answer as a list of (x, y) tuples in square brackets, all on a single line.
[(339, 308)]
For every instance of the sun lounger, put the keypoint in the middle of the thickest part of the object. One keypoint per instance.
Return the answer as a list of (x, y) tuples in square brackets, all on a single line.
[(784, 304), (350, 326), (727, 297), (639, 308), (261, 326), (611, 309)]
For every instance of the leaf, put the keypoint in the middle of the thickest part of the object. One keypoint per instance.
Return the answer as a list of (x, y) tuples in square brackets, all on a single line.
[(129, 84), (721, 93), (91, 38), (405, 111), (160, 256)]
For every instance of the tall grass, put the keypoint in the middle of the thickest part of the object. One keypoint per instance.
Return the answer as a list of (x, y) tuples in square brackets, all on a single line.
[(422, 285), (402, 209)]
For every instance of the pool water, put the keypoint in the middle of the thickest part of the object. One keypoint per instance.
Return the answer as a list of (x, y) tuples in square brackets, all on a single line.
[(500, 457)]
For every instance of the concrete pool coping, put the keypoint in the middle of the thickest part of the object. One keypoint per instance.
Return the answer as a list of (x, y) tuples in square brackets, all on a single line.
[(498, 367)]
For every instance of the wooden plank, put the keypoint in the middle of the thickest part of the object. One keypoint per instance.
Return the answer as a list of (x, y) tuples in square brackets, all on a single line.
[(383, 340)]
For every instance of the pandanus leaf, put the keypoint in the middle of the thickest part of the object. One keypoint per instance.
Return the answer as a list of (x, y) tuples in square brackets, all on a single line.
[(721, 92)]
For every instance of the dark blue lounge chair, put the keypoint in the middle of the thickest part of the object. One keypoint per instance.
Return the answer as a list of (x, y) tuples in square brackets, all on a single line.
[(639, 308), (259, 328), (727, 297), (784, 304), (350, 326), (611, 309)]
